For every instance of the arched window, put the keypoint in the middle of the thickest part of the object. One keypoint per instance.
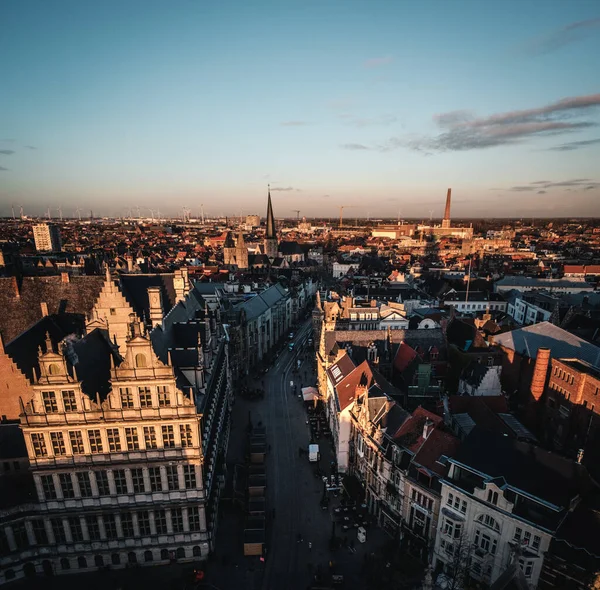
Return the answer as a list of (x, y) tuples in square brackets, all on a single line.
[(115, 558), (140, 360), (47, 567), (132, 557), (65, 564), (82, 562), (488, 521), (29, 570), (99, 560), (197, 552), (164, 554), (180, 553), (53, 369), (148, 556)]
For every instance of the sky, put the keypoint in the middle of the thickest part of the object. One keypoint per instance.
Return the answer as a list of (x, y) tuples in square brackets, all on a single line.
[(376, 105)]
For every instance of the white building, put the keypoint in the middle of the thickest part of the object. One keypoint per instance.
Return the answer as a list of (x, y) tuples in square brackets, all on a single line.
[(502, 499), (341, 269)]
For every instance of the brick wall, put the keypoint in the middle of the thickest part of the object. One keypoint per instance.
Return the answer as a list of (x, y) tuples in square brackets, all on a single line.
[(13, 385)]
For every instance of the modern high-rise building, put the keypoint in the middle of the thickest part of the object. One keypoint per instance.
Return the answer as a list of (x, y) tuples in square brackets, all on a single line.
[(47, 237)]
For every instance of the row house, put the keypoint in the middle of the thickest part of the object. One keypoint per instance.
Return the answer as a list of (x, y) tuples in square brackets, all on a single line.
[(126, 443), (502, 501)]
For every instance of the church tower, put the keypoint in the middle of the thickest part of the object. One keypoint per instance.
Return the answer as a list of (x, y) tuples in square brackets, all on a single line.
[(271, 246), (229, 250), (241, 252)]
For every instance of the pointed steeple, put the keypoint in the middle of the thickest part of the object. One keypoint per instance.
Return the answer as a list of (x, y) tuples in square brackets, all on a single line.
[(270, 218)]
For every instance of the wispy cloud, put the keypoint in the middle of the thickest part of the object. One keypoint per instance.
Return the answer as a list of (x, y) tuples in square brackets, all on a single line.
[(463, 131), (538, 185), (560, 37), (2, 169), (354, 146), (294, 123), (574, 145), (31, 147), (377, 62), (285, 189), (7, 152), (326, 196)]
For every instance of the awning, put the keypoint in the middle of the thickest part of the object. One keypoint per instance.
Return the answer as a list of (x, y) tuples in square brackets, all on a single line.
[(310, 394)]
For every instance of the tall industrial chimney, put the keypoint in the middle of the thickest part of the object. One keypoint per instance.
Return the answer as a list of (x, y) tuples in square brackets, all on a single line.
[(446, 220)]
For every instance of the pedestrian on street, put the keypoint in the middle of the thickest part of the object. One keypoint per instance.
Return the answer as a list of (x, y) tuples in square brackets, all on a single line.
[(309, 546), (299, 538)]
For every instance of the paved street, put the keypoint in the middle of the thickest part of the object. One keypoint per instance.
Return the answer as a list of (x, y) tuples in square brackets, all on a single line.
[(292, 490)]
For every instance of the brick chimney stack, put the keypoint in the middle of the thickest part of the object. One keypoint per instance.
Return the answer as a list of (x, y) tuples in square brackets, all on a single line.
[(44, 308), (64, 277), (540, 371)]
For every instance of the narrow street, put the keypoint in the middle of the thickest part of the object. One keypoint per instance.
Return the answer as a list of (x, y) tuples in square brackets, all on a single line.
[(293, 491)]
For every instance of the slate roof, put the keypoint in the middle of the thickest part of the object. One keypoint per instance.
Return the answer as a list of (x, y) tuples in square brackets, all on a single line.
[(561, 343), (12, 442), (18, 313), (474, 373), (524, 466), (522, 281), (135, 289), (289, 248)]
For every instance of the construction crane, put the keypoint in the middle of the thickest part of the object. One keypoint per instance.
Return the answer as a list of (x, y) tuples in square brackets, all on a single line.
[(297, 212), (342, 207)]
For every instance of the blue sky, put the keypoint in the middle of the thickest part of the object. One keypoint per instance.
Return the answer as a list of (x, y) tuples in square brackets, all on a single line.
[(377, 104)]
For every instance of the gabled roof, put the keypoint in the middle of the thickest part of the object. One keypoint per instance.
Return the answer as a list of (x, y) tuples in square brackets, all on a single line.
[(135, 289), (19, 312), (438, 443), (561, 343), (361, 376), (405, 355), (410, 434)]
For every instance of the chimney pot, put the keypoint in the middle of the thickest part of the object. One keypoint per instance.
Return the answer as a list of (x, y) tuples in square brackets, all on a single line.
[(44, 307), (64, 277), (427, 428)]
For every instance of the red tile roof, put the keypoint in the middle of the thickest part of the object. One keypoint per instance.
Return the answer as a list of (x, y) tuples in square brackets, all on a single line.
[(438, 443), (404, 357), (410, 434), (346, 388)]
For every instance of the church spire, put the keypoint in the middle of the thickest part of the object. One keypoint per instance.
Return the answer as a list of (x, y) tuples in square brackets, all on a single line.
[(270, 219)]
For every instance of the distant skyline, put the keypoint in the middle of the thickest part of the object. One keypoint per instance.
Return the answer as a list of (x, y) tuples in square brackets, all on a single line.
[(379, 105)]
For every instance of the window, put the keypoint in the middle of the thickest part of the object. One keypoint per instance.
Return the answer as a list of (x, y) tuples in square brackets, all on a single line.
[(137, 476), (85, 486), (140, 361), (48, 487), (102, 483), (189, 476), (76, 530), (39, 532), (114, 440), (450, 499), (120, 481), (177, 520), (145, 397), (144, 522), (95, 441), (536, 542), (39, 444), (131, 436), (115, 559), (168, 436), (452, 529), (172, 477), (126, 397), (69, 401), (81, 562), (58, 530), (488, 521), (463, 506), (92, 527), (150, 437), (127, 524), (155, 479), (185, 430), (485, 542), (492, 497), (160, 521), (76, 439), (20, 535), (113, 311), (526, 566), (66, 485), (110, 526), (163, 396), (49, 399), (58, 443), (194, 518)]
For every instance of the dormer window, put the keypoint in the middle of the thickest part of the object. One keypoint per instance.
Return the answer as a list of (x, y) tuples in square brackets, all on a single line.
[(492, 497), (140, 361)]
